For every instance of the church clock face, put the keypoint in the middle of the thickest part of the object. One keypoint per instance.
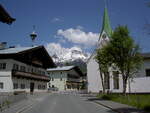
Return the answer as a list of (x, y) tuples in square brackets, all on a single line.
[(104, 36)]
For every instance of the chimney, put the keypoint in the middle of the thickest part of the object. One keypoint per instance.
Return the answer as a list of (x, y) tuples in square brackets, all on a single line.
[(3, 45)]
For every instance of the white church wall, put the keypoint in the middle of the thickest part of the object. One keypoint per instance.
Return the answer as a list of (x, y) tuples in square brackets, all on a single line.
[(93, 76)]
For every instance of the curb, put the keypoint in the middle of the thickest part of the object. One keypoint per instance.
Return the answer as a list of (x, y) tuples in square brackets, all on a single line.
[(107, 107)]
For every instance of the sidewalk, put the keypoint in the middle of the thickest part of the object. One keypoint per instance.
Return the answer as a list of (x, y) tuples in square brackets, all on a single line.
[(17, 107), (22, 105), (121, 108), (117, 107)]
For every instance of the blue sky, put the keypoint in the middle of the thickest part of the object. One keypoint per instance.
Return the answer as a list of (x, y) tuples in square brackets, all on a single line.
[(55, 20)]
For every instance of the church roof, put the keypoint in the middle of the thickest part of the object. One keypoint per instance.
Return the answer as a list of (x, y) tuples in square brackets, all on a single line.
[(106, 27)]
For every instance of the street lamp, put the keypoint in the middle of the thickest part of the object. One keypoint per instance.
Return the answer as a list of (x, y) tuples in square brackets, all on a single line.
[(33, 36)]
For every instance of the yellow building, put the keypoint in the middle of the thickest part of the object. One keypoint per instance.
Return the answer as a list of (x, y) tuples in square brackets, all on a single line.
[(65, 78)]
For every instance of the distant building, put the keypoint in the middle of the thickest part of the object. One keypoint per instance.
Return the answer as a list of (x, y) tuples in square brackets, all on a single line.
[(65, 78), (4, 16), (24, 69)]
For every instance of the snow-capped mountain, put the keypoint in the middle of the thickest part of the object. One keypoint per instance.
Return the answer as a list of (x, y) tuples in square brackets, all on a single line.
[(70, 56)]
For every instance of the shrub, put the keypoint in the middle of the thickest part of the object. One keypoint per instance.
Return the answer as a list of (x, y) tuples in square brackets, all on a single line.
[(105, 97)]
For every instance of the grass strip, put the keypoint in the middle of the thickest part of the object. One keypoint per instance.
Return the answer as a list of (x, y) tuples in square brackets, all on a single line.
[(141, 101)]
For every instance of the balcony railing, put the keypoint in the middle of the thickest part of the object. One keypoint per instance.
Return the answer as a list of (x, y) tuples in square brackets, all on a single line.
[(73, 80), (28, 75)]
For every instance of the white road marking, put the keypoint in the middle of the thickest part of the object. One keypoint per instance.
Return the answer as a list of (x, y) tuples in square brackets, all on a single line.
[(25, 108)]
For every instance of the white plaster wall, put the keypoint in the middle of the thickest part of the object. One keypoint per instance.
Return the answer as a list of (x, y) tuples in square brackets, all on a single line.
[(9, 64), (145, 65), (93, 76), (140, 85), (5, 78), (27, 66), (73, 72), (27, 84), (61, 85), (57, 82)]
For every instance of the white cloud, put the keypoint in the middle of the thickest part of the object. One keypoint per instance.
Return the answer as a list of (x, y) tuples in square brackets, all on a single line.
[(79, 27), (56, 48), (78, 36), (62, 41), (65, 54), (56, 20)]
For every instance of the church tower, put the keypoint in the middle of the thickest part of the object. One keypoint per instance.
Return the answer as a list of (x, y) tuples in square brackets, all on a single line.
[(106, 30), (93, 73)]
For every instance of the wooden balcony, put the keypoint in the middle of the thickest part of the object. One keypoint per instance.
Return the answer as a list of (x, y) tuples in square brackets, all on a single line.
[(27, 75), (74, 80)]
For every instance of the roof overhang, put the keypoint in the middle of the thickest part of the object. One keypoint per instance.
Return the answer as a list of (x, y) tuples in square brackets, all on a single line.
[(145, 55), (30, 55), (76, 68), (5, 17)]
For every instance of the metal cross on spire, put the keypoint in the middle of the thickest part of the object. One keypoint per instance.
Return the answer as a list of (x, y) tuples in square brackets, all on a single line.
[(105, 3)]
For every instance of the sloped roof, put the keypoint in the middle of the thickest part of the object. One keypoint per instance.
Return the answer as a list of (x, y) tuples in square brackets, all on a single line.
[(15, 50), (28, 54), (64, 68), (4, 16), (146, 55)]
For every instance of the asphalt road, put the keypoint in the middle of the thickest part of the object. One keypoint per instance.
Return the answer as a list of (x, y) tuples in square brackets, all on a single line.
[(65, 103)]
